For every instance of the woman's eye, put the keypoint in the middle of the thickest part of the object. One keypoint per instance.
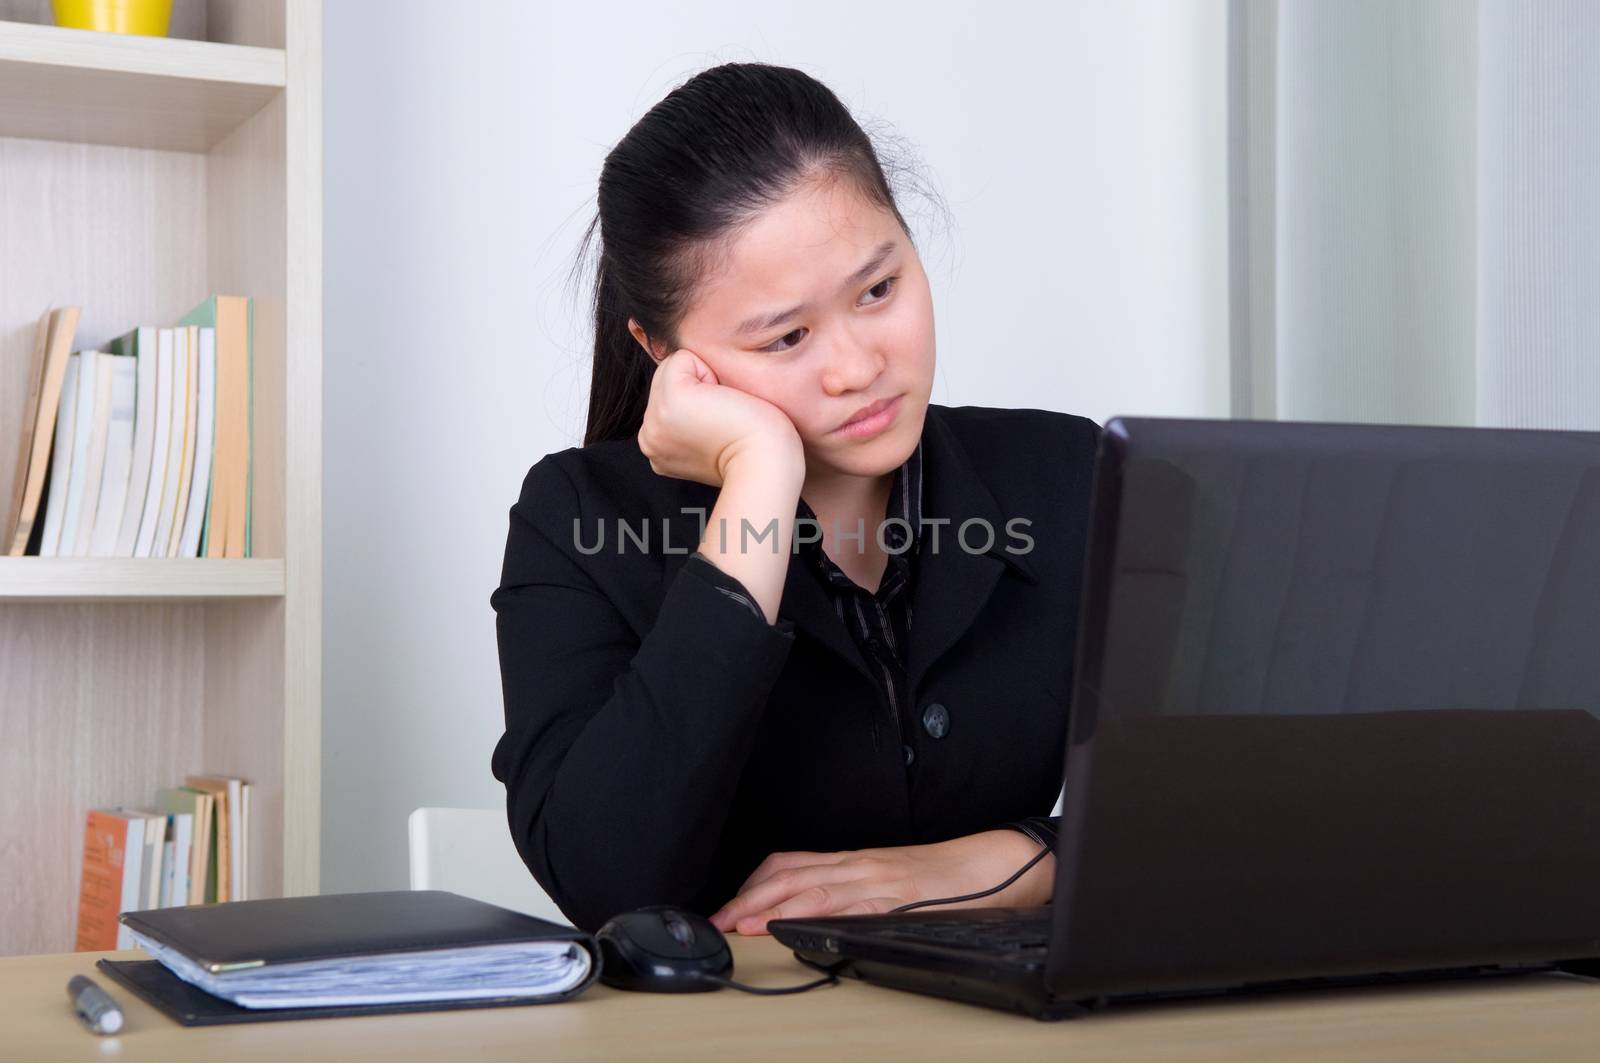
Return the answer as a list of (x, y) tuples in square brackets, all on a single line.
[(779, 345), (887, 286), (879, 291)]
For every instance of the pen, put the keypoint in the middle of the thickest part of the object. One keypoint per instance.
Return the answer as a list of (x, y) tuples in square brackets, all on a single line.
[(94, 1005)]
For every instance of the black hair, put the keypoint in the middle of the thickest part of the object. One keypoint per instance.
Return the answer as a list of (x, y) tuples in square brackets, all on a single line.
[(714, 153)]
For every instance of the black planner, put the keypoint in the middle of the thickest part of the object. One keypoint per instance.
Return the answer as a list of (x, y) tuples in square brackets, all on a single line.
[(405, 934)]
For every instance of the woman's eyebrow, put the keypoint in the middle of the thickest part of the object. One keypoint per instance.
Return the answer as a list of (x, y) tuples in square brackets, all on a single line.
[(763, 322)]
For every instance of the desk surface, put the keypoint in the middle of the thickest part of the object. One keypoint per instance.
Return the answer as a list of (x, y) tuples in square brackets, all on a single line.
[(1534, 1016)]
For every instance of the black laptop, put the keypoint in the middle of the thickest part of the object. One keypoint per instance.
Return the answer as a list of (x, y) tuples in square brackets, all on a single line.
[(1336, 718)]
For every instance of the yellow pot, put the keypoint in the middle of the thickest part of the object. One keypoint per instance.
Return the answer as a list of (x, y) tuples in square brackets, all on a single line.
[(148, 18)]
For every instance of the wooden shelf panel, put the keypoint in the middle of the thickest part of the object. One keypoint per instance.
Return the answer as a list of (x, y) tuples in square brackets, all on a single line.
[(145, 92), (108, 579)]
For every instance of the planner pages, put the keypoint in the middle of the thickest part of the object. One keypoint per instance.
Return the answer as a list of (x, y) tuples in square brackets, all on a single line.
[(482, 972)]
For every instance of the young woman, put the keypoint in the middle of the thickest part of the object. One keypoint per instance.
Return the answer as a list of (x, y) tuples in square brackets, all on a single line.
[(782, 638)]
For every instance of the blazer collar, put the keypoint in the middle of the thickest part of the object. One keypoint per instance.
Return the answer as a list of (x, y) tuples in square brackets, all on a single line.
[(952, 585)]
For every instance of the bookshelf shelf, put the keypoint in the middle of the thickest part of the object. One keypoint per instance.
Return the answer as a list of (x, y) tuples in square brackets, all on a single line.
[(144, 92), (116, 579), (140, 177)]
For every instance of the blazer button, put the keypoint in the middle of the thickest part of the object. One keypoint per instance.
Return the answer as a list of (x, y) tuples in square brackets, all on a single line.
[(910, 755), (936, 720)]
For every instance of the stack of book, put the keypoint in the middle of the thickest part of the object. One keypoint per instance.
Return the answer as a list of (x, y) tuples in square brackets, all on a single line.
[(141, 449), (191, 847)]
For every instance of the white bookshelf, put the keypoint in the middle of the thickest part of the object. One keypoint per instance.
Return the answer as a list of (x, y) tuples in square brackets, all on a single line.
[(142, 175), (141, 92), (70, 579)]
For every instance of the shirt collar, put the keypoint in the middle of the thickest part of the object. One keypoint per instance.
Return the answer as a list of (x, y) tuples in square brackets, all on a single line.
[(902, 516)]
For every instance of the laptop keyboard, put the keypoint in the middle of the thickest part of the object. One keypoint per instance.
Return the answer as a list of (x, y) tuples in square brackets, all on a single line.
[(1004, 936)]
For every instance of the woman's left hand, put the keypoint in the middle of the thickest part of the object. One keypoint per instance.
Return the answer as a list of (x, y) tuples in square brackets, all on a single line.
[(864, 881)]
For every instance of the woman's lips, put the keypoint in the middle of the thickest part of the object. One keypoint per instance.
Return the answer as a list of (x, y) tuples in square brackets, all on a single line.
[(872, 424)]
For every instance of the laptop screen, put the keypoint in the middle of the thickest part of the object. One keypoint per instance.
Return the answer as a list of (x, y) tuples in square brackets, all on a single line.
[(1337, 705)]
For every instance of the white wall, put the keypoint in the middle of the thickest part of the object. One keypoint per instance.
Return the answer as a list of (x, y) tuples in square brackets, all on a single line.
[(1081, 149), (1538, 247), (1376, 211)]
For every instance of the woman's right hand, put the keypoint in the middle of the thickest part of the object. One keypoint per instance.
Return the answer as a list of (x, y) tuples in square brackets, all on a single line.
[(695, 427)]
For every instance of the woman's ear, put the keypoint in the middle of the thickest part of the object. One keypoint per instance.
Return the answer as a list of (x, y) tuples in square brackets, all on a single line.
[(655, 353)]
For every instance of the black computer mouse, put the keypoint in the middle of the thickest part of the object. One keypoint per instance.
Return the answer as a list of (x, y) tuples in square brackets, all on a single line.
[(662, 949)]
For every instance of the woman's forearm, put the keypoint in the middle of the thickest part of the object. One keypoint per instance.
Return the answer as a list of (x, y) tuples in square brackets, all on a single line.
[(1007, 850), (750, 532)]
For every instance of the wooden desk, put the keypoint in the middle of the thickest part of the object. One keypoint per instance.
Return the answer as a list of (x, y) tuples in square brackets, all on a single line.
[(1534, 1017)]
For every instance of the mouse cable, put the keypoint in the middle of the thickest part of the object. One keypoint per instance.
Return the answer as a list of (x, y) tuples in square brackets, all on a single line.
[(1040, 855), (831, 979)]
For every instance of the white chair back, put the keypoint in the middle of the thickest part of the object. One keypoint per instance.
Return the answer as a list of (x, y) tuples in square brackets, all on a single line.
[(469, 851)]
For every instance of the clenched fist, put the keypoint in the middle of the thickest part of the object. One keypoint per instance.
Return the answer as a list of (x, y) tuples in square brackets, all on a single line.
[(694, 426)]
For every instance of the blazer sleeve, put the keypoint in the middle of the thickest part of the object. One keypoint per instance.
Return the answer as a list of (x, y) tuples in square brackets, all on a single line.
[(621, 754), (726, 585), (1041, 829)]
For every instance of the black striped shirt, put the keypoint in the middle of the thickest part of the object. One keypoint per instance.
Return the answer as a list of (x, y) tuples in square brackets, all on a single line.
[(879, 621)]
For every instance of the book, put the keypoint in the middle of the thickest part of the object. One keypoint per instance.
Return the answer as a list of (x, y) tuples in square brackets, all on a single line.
[(159, 465), (140, 345), (41, 423), (190, 344), (113, 861), (155, 835), (197, 806), (169, 860), (224, 830), (77, 452), (92, 470), (30, 413), (232, 808), (118, 458), (244, 840), (205, 442), (55, 506), (155, 838), (241, 840), (210, 877), (228, 517), (177, 441), (155, 489), (175, 883), (154, 823), (203, 887), (100, 894), (364, 949)]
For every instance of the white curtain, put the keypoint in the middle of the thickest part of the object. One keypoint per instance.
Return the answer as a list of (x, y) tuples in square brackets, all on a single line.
[(1417, 185)]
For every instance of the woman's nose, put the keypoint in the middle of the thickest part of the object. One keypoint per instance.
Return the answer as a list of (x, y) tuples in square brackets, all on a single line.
[(852, 366)]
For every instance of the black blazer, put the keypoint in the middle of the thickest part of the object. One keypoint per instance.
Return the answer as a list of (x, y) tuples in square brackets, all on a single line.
[(661, 740)]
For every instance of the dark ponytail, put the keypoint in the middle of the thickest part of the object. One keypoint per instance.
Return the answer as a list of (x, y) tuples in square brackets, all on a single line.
[(710, 156), (620, 388)]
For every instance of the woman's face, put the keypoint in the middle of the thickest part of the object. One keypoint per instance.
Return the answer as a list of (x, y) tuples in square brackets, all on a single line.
[(820, 307)]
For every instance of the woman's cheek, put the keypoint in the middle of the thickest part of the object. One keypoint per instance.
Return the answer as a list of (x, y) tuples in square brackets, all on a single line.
[(742, 375), (781, 386), (910, 336)]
